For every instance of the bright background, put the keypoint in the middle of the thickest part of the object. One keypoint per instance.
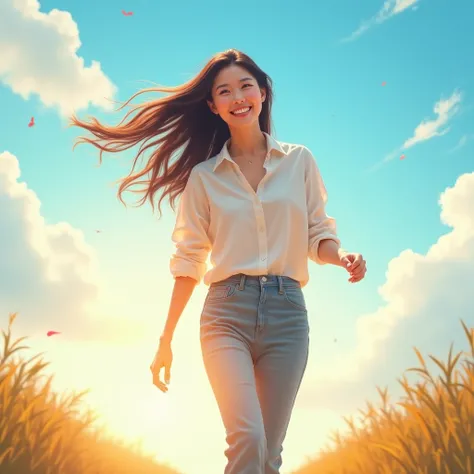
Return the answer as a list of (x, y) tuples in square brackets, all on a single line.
[(108, 293)]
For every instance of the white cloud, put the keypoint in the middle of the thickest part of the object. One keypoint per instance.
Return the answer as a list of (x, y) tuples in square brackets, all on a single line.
[(389, 9), (38, 55), (461, 143), (425, 298), (48, 273), (445, 109)]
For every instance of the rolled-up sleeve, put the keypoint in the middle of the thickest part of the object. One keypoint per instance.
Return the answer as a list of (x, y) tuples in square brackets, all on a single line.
[(320, 225), (190, 232)]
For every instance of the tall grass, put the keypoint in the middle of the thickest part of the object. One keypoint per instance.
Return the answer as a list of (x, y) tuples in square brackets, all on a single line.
[(430, 431), (43, 434)]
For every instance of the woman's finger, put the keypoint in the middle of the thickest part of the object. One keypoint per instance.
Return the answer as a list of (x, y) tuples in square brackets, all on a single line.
[(356, 278), (155, 365), (158, 383), (354, 266), (358, 273)]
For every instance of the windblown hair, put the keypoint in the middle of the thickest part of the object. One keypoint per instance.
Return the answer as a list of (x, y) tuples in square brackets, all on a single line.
[(181, 120)]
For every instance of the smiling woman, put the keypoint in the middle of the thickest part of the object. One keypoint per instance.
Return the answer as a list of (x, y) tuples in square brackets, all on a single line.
[(181, 121), (257, 206)]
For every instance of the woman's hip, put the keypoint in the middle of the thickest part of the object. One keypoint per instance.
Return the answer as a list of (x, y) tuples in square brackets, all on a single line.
[(249, 305)]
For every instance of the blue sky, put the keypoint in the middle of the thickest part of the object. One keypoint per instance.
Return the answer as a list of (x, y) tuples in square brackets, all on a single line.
[(328, 61)]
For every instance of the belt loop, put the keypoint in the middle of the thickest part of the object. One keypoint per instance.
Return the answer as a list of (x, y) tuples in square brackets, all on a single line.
[(242, 282), (280, 284)]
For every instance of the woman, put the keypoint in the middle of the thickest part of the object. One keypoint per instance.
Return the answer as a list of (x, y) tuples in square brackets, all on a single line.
[(257, 206)]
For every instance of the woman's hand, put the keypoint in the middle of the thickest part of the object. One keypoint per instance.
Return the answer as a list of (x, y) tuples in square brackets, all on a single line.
[(355, 265), (163, 358)]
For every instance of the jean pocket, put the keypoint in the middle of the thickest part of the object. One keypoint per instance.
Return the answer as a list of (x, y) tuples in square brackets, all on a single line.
[(294, 295), (219, 292)]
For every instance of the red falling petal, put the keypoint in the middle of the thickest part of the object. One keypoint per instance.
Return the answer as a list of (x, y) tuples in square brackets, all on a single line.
[(32, 122), (384, 83), (402, 157), (52, 333)]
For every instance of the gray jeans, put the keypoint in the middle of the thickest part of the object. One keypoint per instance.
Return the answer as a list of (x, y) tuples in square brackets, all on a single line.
[(254, 336)]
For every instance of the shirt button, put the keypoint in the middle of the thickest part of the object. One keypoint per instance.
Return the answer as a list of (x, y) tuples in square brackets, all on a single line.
[(264, 278)]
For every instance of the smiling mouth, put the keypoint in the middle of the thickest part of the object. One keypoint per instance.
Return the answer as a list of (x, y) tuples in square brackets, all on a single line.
[(249, 109)]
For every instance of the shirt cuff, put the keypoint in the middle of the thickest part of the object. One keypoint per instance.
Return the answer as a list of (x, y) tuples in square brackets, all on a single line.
[(184, 268)]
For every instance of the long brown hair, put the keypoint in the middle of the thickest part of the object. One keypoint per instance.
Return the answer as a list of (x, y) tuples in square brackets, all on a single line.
[(189, 123)]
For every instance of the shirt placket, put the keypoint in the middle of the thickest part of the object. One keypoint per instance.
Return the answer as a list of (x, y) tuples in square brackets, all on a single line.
[(259, 214), (261, 235)]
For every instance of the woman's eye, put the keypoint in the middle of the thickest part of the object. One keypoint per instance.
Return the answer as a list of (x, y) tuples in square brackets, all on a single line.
[(226, 90)]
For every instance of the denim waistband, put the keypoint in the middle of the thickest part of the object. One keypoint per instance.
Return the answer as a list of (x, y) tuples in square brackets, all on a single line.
[(259, 280)]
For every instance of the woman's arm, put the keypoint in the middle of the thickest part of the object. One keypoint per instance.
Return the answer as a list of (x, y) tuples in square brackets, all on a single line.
[(321, 227), (182, 291), (188, 263), (190, 233), (330, 252)]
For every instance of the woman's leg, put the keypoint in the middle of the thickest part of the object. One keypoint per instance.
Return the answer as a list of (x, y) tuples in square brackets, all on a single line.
[(227, 329), (281, 362)]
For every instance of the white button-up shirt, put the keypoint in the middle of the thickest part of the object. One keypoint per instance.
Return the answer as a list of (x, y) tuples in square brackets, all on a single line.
[(272, 231)]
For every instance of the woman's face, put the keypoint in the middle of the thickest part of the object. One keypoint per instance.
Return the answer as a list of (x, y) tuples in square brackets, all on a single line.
[(235, 88)]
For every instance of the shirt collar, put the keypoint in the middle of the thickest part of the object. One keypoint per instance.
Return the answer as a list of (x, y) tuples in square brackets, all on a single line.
[(272, 144)]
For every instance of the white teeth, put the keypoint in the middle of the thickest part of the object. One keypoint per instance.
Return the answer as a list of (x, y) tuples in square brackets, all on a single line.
[(241, 111)]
